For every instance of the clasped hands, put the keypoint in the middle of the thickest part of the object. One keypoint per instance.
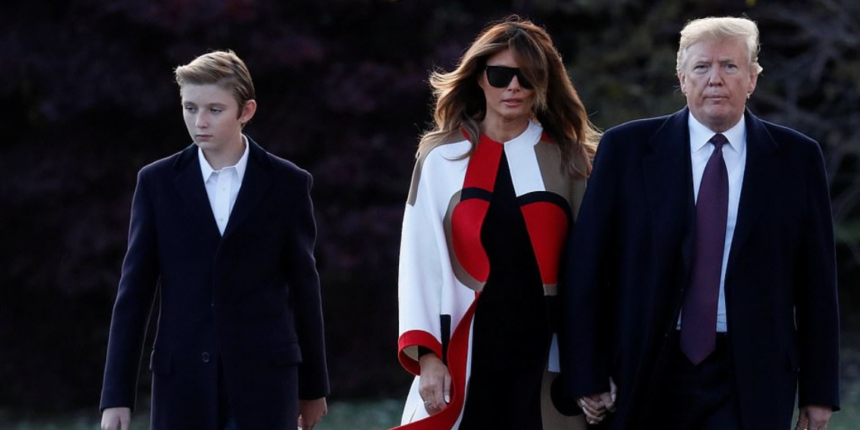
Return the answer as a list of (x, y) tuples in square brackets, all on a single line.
[(596, 406), (435, 389)]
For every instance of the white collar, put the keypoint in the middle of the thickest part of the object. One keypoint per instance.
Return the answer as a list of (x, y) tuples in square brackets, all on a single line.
[(240, 165), (700, 135), (531, 135)]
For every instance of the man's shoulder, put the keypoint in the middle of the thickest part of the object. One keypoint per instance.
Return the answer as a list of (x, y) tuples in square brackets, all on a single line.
[(781, 133), (791, 143), (637, 135), (641, 127)]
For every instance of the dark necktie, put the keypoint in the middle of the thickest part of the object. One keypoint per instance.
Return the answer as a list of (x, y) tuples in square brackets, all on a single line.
[(699, 314)]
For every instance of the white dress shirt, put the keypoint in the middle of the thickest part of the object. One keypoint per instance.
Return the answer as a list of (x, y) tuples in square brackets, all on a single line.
[(222, 186), (735, 157)]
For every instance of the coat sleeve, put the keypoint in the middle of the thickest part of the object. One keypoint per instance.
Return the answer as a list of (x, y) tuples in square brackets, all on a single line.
[(134, 300), (305, 296), (817, 307), (420, 273), (585, 285)]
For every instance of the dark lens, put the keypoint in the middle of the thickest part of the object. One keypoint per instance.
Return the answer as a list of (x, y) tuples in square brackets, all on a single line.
[(523, 81), (500, 76)]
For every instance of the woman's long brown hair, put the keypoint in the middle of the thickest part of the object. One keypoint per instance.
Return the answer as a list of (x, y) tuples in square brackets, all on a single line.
[(460, 104)]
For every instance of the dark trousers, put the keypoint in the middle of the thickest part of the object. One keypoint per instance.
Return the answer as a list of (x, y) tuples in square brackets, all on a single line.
[(226, 417), (699, 396), (226, 420), (503, 399)]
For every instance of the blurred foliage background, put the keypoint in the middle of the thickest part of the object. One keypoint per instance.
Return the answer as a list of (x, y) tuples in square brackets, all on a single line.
[(87, 91)]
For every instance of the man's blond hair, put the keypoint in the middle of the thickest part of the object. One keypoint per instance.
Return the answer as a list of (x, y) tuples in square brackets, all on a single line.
[(720, 28)]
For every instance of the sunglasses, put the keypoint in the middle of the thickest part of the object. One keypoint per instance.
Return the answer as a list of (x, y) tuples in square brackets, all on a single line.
[(501, 76)]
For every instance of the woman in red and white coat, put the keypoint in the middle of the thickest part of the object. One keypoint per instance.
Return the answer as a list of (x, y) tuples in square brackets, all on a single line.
[(496, 188)]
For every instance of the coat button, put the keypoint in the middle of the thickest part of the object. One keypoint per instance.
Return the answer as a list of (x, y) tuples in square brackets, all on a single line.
[(205, 357)]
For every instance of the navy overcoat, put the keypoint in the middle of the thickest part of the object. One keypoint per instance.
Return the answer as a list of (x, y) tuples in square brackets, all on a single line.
[(631, 255), (248, 301)]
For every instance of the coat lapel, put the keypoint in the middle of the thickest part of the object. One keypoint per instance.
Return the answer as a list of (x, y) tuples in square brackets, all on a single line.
[(760, 178), (255, 185), (668, 183), (189, 182)]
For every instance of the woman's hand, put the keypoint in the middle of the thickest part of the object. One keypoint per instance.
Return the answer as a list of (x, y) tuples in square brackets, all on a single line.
[(435, 383)]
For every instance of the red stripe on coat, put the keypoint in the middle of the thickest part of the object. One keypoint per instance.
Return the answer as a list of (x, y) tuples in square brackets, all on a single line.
[(484, 164), (466, 222), (468, 216), (547, 225), (458, 352), (416, 338)]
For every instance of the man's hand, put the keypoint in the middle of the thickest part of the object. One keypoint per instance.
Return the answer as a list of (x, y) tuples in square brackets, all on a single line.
[(311, 412), (435, 383), (116, 418), (813, 417)]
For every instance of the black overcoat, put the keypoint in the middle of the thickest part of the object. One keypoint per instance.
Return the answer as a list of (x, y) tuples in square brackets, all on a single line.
[(248, 301), (631, 255)]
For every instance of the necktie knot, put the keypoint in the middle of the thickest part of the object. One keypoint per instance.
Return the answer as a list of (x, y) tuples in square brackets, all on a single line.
[(719, 140)]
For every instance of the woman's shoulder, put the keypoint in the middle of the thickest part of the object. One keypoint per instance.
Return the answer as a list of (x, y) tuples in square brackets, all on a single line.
[(454, 147)]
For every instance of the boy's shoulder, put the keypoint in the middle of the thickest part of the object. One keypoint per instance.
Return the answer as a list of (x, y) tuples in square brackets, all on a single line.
[(281, 164), (172, 162), (269, 161)]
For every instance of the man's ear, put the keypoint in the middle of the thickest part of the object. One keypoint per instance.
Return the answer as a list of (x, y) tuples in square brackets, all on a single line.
[(753, 82)]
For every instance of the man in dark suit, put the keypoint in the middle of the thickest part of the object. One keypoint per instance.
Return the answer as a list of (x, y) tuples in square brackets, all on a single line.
[(222, 233), (702, 270)]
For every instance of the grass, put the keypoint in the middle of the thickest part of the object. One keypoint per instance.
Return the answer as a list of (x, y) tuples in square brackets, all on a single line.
[(356, 415), (364, 415), (371, 415), (385, 413)]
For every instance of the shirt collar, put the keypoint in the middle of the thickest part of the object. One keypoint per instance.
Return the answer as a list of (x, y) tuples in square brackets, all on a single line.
[(530, 136), (701, 134), (240, 166)]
